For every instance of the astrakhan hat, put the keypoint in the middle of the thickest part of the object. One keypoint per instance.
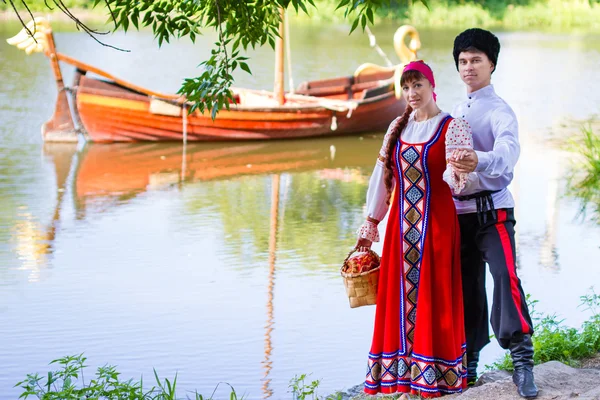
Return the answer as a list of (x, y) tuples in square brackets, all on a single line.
[(480, 39)]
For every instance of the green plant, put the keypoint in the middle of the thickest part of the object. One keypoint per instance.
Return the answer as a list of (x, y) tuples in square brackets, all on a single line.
[(553, 341), (68, 383), (584, 179), (301, 391)]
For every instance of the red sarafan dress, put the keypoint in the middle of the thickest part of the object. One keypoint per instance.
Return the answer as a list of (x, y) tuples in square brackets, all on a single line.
[(419, 341)]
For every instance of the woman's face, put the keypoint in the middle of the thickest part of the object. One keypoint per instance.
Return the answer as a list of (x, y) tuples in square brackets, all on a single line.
[(417, 93)]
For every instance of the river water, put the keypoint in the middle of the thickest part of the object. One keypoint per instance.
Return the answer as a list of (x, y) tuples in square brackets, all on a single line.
[(221, 264)]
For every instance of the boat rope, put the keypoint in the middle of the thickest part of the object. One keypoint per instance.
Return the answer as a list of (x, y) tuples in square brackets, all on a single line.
[(288, 49), (373, 44), (77, 124), (69, 89)]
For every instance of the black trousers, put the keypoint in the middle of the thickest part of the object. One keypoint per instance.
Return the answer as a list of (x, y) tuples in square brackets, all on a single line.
[(491, 241)]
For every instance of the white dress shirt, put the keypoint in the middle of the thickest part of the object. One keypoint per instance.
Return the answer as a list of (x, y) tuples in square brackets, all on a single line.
[(496, 142)]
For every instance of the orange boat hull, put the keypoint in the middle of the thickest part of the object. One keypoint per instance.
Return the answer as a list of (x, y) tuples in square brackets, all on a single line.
[(108, 113)]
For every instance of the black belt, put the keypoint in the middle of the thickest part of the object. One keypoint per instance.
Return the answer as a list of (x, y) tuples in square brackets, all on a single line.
[(485, 203)]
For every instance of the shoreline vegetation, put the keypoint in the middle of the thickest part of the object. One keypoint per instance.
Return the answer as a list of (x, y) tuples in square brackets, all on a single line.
[(542, 15), (583, 179), (554, 341)]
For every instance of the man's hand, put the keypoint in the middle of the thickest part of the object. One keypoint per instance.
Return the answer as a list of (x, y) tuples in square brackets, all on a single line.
[(464, 161)]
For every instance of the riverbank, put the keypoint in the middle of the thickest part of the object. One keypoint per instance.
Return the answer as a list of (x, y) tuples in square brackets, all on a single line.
[(554, 379), (550, 15)]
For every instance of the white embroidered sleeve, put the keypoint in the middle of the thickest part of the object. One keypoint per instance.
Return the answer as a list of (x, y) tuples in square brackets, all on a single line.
[(369, 231), (471, 184), (377, 193), (459, 136)]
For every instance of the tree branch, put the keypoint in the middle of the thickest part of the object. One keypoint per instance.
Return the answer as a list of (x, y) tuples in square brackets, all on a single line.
[(221, 38), (20, 19)]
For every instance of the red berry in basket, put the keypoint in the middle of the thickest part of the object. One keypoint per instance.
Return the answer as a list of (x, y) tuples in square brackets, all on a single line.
[(361, 262)]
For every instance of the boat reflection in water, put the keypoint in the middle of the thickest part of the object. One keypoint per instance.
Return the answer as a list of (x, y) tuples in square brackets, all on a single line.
[(103, 172)]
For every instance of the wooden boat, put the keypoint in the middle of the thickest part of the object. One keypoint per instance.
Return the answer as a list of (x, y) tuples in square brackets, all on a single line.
[(108, 109)]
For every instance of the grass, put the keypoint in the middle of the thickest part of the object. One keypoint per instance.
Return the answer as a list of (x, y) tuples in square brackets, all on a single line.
[(301, 390), (553, 341), (584, 179), (68, 383)]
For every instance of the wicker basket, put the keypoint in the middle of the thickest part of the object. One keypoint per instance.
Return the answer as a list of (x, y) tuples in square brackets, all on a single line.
[(361, 287)]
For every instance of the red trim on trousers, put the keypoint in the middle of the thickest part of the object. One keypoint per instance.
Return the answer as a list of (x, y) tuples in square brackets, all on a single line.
[(510, 264)]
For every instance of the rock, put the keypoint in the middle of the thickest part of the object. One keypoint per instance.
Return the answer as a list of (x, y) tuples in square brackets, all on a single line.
[(555, 380), (493, 376), (591, 362), (353, 392)]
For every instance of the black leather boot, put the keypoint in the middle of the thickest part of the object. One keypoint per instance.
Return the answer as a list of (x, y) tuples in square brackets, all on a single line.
[(472, 360), (521, 351)]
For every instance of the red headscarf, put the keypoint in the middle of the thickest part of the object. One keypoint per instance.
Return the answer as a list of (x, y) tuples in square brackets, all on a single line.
[(424, 69)]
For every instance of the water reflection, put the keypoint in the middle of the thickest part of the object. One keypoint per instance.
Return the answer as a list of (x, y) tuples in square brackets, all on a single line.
[(548, 251), (32, 243), (267, 363), (117, 173), (324, 188)]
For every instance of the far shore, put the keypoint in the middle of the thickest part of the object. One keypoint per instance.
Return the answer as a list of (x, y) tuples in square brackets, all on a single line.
[(566, 18), (84, 14)]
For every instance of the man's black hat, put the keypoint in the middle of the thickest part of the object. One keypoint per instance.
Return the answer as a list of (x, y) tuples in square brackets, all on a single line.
[(479, 39)]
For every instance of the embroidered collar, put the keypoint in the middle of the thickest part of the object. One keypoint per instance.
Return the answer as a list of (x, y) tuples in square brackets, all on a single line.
[(487, 91)]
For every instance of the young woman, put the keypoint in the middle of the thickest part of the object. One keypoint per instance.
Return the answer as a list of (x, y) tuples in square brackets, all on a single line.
[(419, 341)]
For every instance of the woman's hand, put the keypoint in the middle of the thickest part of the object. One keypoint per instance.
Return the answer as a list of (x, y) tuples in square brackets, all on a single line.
[(464, 161), (363, 244)]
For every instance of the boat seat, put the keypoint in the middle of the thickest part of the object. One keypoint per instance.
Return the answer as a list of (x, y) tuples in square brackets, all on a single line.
[(377, 91), (338, 87), (346, 88)]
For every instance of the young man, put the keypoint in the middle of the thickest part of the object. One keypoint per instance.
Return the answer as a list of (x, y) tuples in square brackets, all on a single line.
[(486, 214)]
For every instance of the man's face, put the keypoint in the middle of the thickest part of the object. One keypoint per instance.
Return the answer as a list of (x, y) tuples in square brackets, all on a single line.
[(475, 69)]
